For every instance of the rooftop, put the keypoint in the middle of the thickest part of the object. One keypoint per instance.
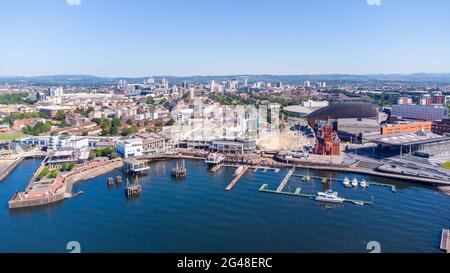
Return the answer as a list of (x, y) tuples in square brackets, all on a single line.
[(410, 138)]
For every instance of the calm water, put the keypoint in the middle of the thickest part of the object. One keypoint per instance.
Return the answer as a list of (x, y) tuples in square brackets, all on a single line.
[(198, 215)]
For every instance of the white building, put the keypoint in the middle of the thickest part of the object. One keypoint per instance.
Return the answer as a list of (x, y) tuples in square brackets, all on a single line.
[(420, 112), (60, 142), (315, 104), (404, 100), (130, 148), (182, 115)]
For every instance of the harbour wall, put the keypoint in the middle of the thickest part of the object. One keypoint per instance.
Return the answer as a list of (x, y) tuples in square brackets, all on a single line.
[(89, 174), (81, 174), (10, 168)]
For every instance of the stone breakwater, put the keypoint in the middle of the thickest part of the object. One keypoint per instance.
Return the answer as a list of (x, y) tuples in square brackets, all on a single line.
[(62, 186), (90, 172)]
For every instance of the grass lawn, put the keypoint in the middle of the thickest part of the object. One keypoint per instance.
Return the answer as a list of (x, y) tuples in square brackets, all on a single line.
[(11, 136), (446, 165)]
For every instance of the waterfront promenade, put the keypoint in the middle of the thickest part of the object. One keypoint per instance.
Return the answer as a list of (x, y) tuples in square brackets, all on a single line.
[(261, 161)]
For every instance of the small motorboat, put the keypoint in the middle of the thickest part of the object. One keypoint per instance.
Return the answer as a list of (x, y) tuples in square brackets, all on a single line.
[(307, 178), (330, 197), (347, 183), (355, 182), (364, 184)]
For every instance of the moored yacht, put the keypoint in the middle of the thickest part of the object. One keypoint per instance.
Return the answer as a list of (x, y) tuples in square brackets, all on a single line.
[(329, 196), (347, 182), (364, 184), (355, 182)]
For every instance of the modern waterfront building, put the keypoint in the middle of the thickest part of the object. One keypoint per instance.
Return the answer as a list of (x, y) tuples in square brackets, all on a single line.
[(420, 112), (130, 148), (355, 130), (306, 108), (61, 142), (406, 127), (233, 146), (421, 141), (153, 143), (342, 111)]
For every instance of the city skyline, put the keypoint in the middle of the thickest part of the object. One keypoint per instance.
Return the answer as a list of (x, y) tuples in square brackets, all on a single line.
[(138, 38)]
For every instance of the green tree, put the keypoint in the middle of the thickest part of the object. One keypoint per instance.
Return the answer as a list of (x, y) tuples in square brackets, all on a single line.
[(38, 129), (53, 174), (43, 174), (97, 120), (19, 116), (60, 115), (150, 101), (133, 129), (16, 98), (115, 125), (106, 127)]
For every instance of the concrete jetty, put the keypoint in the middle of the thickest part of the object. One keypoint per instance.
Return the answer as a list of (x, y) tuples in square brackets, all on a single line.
[(285, 180), (265, 188), (237, 178)]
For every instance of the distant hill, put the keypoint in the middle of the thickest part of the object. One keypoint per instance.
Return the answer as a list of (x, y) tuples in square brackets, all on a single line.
[(93, 80)]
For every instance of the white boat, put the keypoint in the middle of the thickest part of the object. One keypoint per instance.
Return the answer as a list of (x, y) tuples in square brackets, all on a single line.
[(364, 184), (347, 182), (239, 170), (329, 196), (355, 182)]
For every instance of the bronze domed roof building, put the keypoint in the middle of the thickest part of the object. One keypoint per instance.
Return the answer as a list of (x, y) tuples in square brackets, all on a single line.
[(357, 110)]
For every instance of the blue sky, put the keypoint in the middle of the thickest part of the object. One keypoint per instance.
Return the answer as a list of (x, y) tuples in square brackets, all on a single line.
[(218, 37)]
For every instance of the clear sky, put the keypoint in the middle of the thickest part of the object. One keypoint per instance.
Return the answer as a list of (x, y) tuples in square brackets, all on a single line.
[(218, 37)]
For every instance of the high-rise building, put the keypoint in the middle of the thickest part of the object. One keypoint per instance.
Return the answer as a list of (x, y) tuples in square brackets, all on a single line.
[(41, 96), (165, 84), (186, 85), (232, 85), (307, 84), (191, 94)]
